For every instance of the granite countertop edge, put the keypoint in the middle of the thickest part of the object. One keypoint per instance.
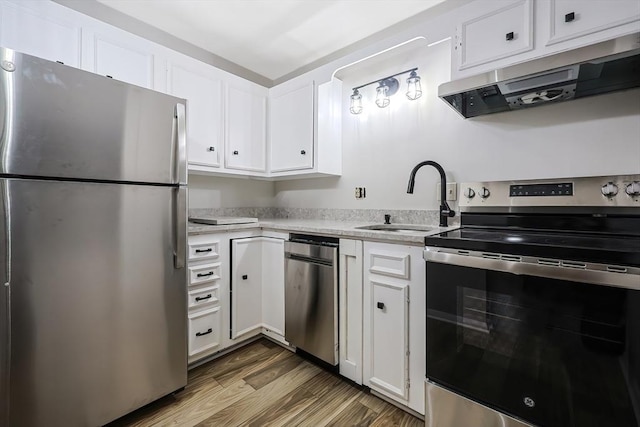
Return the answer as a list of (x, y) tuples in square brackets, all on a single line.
[(340, 229)]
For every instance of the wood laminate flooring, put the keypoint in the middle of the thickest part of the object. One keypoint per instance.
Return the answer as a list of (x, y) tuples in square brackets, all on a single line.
[(263, 384)]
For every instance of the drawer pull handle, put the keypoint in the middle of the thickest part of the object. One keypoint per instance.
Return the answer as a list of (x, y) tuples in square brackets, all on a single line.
[(510, 36), (211, 149), (205, 274), (199, 334), (203, 298), (235, 153), (380, 305), (303, 152), (245, 277), (571, 16), (200, 251)]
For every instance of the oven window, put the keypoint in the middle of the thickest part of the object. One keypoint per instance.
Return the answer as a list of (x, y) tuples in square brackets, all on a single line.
[(551, 352)]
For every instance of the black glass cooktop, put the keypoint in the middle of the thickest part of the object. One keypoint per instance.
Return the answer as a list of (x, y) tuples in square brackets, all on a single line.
[(608, 249)]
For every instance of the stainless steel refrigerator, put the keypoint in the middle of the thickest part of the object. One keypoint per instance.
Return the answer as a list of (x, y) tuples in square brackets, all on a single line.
[(92, 245)]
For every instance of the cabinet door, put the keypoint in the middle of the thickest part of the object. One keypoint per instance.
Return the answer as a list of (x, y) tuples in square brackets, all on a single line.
[(389, 340), (37, 30), (575, 18), (498, 34), (273, 284), (246, 287), (118, 56), (245, 129), (291, 129), (204, 113)]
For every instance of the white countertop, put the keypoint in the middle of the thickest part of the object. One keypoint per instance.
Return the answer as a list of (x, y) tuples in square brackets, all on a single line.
[(344, 229)]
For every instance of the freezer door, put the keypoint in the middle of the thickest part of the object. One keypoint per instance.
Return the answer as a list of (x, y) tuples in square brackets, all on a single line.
[(59, 121), (98, 309)]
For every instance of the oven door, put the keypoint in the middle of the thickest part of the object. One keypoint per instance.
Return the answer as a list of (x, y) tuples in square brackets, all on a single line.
[(553, 351)]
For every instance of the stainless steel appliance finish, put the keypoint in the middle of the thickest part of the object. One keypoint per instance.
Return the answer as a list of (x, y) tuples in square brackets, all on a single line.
[(600, 68), (455, 410), (93, 244), (311, 299)]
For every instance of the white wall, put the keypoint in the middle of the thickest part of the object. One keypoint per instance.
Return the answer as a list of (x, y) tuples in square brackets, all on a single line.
[(592, 136), (216, 192)]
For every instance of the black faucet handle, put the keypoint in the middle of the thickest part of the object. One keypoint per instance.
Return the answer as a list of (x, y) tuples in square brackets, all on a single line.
[(387, 219)]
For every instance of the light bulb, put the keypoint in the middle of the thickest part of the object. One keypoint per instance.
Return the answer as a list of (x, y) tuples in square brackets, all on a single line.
[(414, 91), (356, 102), (382, 100)]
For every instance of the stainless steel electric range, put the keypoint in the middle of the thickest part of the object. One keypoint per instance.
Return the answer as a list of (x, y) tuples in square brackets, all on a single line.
[(533, 306)]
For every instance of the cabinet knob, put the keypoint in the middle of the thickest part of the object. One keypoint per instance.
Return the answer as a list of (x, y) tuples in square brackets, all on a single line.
[(380, 305), (245, 277), (510, 36), (211, 148), (303, 152), (235, 153), (571, 16)]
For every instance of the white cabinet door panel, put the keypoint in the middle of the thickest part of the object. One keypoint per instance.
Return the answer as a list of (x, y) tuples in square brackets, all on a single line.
[(245, 130), (246, 287), (204, 113), (38, 32), (273, 284), (291, 129), (576, 18), (389, 337), (497, 34), (120, 61)]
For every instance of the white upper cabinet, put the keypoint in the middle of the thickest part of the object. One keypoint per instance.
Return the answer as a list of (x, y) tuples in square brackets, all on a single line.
[(116, 56), (575, 18), (493, 34), (246, 114), (497, 34), (205, 125), (41, 29), (291, 129)]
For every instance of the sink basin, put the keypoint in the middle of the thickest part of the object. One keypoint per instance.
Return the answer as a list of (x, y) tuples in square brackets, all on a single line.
[(399, 228)]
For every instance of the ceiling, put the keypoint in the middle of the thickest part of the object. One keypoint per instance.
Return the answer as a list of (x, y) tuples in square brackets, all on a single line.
[(271, 37)]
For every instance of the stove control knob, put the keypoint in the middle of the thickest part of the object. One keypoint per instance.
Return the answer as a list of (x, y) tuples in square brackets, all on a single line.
[(609, 189), (633, 189), (484, 192), (469, 193)]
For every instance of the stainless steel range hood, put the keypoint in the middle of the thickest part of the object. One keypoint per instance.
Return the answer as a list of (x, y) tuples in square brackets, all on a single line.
[(592, 70)]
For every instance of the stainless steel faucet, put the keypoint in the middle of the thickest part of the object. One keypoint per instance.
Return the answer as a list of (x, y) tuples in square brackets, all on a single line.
[(445, 210)]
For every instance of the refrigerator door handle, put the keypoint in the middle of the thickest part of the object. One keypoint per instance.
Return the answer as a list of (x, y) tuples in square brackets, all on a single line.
[(180, 218), (181, 145)]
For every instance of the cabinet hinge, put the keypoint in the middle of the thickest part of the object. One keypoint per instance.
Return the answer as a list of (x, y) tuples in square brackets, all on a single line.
[(408, 353), (408, 385)]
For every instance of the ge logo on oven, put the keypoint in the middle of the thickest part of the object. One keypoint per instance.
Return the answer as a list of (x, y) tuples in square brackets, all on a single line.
[(529, 402)]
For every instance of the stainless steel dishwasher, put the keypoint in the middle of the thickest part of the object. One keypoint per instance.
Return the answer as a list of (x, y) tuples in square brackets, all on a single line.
[(311, 295)]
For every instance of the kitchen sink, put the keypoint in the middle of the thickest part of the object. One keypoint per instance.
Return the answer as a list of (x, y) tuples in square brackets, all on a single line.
[(399, 228)]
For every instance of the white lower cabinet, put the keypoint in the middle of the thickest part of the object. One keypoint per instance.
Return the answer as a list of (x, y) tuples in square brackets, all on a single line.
[(350, 311), (394, 324), (204, 331), (246, 287)]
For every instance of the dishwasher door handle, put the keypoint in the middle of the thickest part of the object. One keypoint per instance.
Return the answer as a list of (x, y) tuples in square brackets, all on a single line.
[(303, 258)]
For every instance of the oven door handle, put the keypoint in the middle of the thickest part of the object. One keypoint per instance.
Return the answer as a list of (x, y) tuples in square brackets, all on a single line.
[(629, 279)]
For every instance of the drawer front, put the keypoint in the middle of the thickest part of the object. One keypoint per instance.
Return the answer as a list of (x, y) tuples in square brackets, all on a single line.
[(204, 273), (390, 263), (203, 247), (571, 19), (202, 297), (204, 331), (498, 34)]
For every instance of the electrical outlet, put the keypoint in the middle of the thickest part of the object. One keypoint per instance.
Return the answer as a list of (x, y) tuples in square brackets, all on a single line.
[(452, 191), (361, 192)]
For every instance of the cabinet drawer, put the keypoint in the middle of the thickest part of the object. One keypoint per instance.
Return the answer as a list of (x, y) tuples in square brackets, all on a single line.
[(204, 331), (203, 247), (391, 264), (208, 295), (204, 273), (498, 34), (571, 19)]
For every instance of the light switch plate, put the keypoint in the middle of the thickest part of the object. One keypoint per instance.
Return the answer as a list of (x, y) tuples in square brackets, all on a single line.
[(452, 191)]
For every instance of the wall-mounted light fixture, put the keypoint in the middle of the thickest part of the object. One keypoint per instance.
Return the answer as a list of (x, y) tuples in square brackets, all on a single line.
[(387, 86)]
